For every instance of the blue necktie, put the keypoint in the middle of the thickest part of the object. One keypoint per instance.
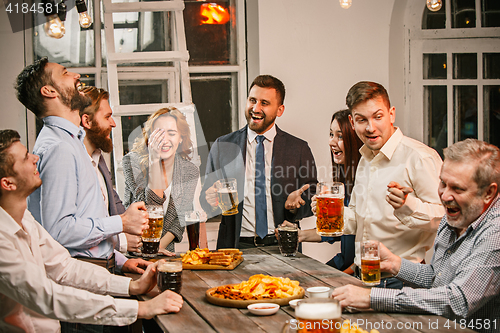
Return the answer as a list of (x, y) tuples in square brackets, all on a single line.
[(260, 189)]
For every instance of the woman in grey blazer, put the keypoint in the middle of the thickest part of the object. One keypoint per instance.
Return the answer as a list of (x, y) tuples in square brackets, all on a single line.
[(158, 171)]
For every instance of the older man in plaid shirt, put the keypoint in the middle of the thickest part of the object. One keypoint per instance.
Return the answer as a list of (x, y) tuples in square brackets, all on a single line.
[(462, 282)]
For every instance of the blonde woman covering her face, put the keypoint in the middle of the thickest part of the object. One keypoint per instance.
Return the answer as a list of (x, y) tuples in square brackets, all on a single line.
[(158, 171)]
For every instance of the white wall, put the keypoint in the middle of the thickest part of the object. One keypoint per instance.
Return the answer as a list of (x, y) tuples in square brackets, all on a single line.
[(12, 113)]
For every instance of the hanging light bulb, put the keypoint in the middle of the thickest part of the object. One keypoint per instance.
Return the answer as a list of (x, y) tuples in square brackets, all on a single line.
[(84, 18), (54, 27), (345, 3), (434, 5)]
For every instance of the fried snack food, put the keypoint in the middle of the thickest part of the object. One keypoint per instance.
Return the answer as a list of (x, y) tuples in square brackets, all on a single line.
[(259, 286), (347, 327), (223, 257)]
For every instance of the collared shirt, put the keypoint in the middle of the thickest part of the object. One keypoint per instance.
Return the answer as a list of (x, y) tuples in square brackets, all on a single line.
[(69, 203), (94, 159), (408, 231), (39, 282), (462, 280), (248, 219)]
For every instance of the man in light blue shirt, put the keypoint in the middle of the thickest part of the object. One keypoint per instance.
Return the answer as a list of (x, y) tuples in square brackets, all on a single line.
[(69, 204)]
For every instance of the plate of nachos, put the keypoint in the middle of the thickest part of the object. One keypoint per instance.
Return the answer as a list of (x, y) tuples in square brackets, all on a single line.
[(257, 289)]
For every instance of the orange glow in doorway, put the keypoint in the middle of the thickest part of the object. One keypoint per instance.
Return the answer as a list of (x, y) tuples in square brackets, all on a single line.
[(213, 13)]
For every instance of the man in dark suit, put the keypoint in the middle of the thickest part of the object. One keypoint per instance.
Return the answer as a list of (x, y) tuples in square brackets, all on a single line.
[(273, 170), (97, 122)]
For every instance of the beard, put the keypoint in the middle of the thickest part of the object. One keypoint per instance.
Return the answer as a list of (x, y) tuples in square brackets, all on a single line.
[(100, 137), (73, 99), (267, 122)]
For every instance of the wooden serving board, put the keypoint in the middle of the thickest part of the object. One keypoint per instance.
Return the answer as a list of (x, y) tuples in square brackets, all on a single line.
[(232, 266), (242, 304)]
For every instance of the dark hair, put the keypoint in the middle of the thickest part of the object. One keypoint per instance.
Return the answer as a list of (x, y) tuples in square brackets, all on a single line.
[(28, 86), (364, 91), (97, 95), (486, 157), (7, 138), (352, 143), (269, 81)]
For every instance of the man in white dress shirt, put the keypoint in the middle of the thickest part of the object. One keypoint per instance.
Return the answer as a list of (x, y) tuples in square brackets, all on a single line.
[(403, 171), (40, 282)]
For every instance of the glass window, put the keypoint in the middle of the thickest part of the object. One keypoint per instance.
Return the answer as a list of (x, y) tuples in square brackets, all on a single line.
[(463, 13), (464, 65), (132, 92), (435, 66), (491, 13), (435, 98), (210, 32), (491, 65), (465, 98), (434, 20), (492, 114), (131, 129)]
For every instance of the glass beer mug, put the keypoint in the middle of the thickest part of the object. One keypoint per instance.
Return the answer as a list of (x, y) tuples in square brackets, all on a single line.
[(330, 209), (315, 315), (227, 196)]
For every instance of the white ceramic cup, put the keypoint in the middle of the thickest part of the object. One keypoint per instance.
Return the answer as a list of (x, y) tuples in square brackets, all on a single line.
[(319, 292)]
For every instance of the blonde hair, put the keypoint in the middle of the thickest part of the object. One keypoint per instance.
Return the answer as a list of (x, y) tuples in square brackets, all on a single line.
[(185, 147)]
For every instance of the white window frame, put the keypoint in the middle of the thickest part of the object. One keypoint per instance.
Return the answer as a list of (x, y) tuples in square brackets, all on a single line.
[(449, 40)]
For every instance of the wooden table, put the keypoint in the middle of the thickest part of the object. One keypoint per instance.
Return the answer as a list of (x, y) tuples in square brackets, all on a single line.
[(197, 315)]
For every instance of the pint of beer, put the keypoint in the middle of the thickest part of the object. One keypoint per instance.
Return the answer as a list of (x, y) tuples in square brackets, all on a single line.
[(151, 236), (192, 219), (318, 315), (330, 209), (227, 196), (170, 275), (370, 263), (288, 240)]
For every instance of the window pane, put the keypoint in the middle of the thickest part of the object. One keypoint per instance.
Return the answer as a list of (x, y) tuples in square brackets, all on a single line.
[(465, 98), (491, 13), (136, 92), (434, 20), (491, 65), (131, 129), (139, 32), (210, 32), (492, 112), (435, 98), (435, 66), (463, 14), (212, 95), (464, 65), (74, 49)]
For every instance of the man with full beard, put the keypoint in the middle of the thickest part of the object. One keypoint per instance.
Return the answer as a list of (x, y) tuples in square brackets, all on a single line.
[(97, 121), (269, 166), (69, 204), (462, 281)]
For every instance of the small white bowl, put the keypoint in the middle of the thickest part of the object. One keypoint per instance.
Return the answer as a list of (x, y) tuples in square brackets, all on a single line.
[(263, 309), (319, 292), (293, 303)]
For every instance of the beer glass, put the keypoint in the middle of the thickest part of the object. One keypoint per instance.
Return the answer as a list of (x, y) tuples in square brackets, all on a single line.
[(170, 274), (330, 209), (317, 315), (370, 263), (227, 196), (288, 240), (193, 228), (151, 236)]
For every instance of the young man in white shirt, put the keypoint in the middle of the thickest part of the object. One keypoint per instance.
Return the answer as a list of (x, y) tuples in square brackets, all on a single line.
[(403, 171), (41, 283)]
